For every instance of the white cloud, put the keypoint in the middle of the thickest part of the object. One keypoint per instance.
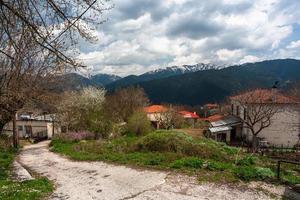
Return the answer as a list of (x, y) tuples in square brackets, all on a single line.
[(294, 45), (146, 34), (225, 54), (249, 59)]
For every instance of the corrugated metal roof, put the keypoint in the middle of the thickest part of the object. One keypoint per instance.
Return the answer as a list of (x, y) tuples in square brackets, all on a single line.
[(226, 121), (219, 129)]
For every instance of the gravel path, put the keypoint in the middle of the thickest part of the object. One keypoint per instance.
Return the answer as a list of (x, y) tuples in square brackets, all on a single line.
[(98, 180)]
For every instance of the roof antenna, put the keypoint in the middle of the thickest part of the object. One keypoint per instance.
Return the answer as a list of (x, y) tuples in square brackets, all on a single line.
[(274, 91), (276, 85)]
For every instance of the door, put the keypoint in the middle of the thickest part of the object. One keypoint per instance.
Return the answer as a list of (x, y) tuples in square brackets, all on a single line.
[(28, 131)]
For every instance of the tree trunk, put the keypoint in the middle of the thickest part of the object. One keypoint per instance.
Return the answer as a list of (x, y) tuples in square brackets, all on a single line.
[(2, 124), (15, 133), (254, 143)]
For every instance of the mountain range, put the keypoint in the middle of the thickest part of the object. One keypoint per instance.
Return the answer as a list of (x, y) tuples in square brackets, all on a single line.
[(201, 83)]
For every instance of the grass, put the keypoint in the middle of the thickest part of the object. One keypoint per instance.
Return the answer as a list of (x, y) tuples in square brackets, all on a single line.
[(173, 150), (11, 190)]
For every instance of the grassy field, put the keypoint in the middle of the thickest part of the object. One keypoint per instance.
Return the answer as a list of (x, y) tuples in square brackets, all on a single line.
[(172, 150), (11, 190)]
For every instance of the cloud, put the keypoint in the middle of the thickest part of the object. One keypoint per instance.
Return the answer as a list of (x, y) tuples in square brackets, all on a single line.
[(294, 45), (249, 59), (225, 54), (142, 35), (192, 27)]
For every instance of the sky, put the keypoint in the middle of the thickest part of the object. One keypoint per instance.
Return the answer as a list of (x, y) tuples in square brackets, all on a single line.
[(143, 35)]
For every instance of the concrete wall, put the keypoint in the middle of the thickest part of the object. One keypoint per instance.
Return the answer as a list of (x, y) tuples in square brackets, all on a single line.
[(154, 117), (284, 129), (36, 127)]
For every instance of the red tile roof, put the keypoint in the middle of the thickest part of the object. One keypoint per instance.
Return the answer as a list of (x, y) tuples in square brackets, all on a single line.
[(213, 118), (265, 96), (155, 109), (211, 105), (187, 114)]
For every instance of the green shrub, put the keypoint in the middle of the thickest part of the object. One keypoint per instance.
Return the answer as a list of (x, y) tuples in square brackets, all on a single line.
[(264, 173), (177, 164), (5, 142), (253, 173), (245, 173), (193, 162), (246, 161), (139, 124), (190, 162), (213, 165), (154, 160), (230, 150), (164, 141), (180, 143)]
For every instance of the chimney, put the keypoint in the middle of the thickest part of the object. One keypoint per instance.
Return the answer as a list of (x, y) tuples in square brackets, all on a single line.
[(274, 91)]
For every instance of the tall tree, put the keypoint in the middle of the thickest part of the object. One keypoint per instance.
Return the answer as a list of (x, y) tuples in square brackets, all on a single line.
[(124, 102), (83, 110), (37, 39)]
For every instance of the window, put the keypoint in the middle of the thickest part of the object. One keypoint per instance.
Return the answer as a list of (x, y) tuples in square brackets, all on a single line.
[(232, 109), (20, 128), (237, 110), (245, 113)]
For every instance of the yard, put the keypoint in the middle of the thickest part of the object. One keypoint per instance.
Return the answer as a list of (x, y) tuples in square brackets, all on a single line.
[(10, 189), (172, 150)]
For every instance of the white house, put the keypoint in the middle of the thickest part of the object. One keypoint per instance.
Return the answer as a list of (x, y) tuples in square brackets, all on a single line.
[(283, 128), (32, 127), (155, 114)]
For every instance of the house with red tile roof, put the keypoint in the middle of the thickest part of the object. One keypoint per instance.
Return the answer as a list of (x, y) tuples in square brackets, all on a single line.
[(155, 109), (155, 114), (211, 106), (190, 117)]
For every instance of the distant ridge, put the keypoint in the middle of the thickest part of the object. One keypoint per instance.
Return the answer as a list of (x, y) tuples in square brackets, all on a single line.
[(201, 83), (162, 73), (215, 84)]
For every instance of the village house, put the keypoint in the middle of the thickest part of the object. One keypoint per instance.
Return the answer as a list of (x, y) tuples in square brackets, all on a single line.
[(210, 109), (189, 117), (224, 128), (158, 114), (155, 114), (29, 126), (284, 126)]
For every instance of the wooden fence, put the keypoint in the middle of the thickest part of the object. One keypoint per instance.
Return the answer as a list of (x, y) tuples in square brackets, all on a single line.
[(284, 161)]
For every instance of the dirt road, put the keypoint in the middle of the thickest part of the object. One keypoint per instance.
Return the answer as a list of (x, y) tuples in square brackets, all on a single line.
[(98, 180)]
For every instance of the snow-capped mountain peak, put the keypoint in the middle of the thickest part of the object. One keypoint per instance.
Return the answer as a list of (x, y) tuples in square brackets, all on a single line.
[(185, 68)]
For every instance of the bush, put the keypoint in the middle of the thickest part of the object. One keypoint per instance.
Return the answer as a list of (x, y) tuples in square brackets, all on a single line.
[(75, 136), (264, 173), (257, 173), (246, 161), (164, 141), (177, 164), (139, 124), (190, 162), (177, 142), (155, 160), (5, 142), (193, 162), (213, 165)]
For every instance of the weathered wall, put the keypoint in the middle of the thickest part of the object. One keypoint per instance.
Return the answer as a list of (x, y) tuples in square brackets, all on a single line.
[(37, 126), (284, 129)]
